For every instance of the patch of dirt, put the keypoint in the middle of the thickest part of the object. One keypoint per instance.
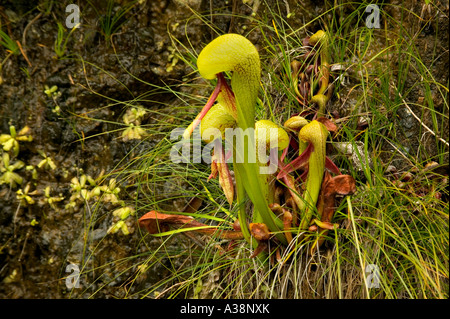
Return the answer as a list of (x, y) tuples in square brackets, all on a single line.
[(80, 138), (78, 129)]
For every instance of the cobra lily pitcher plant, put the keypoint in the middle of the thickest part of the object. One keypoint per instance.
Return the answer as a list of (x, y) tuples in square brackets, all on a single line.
[(309, 200)]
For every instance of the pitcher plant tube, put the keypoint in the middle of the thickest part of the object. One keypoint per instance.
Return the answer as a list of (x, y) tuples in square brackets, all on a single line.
[(235, 110), (232, 52)]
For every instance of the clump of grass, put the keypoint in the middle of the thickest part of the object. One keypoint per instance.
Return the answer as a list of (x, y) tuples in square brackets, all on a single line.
[(9, 43), (396, 223), (111, 21), (61, 40), (12, 48)]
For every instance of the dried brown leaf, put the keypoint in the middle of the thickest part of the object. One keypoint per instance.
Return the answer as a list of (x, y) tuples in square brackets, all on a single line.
[(331, 127), (156, 222), (259, 231)]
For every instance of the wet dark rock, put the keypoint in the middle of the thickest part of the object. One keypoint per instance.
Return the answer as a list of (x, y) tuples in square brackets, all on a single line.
[(407, 121), (58, 79), (52, 132)]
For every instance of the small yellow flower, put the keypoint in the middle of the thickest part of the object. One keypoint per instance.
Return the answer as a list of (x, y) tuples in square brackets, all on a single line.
[(47, 162), (123, 212), (11, 141), (9, 176)]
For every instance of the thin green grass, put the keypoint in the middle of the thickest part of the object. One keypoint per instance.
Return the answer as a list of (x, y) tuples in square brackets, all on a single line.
[(62, 40), (109, 20), (12, 48), (400, 228), (8, 43)]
